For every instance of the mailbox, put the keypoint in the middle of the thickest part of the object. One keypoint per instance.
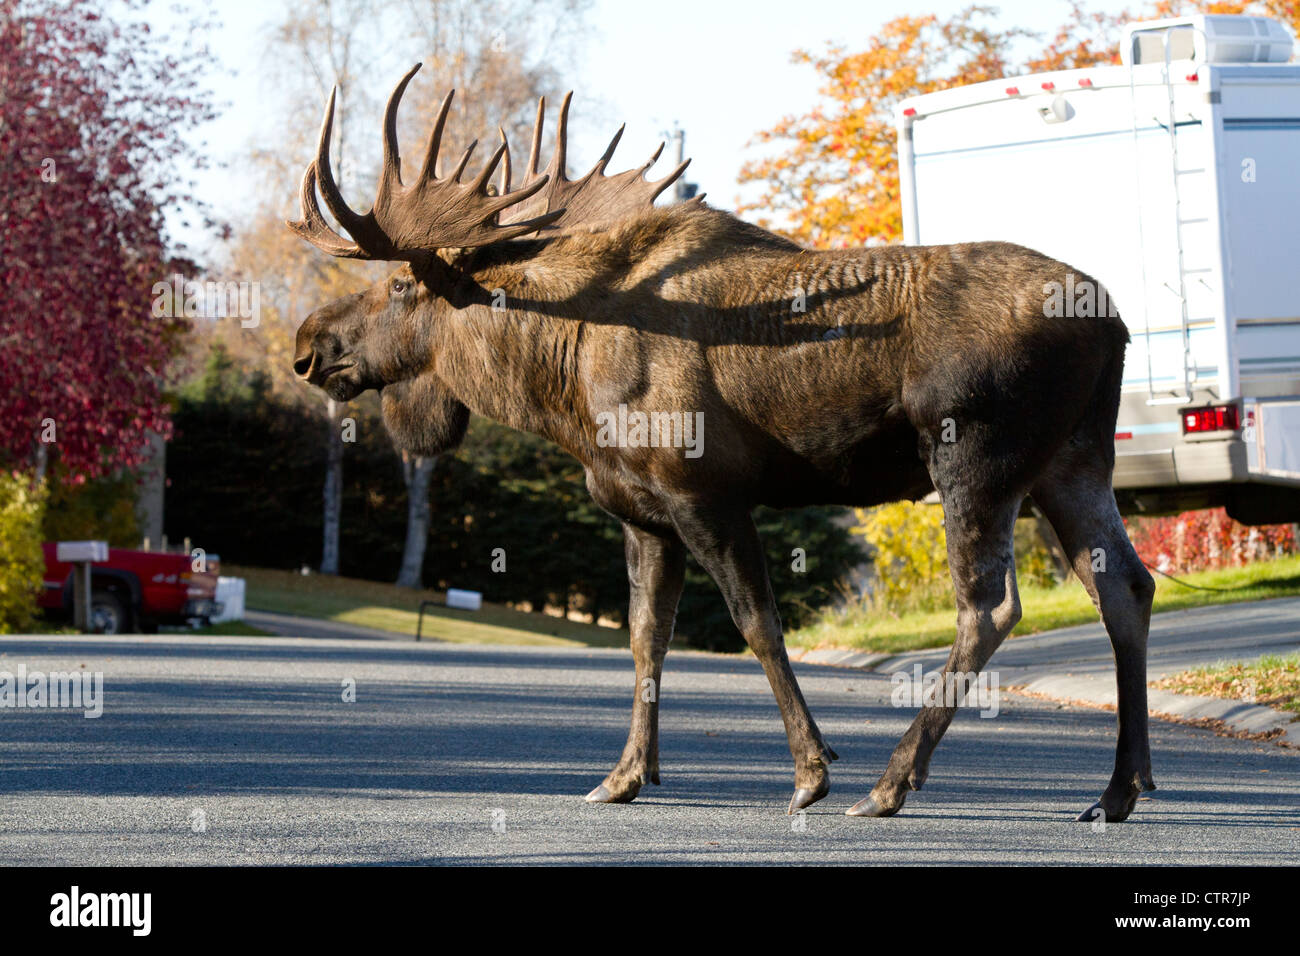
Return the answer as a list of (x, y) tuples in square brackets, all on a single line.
[(82, 554), (74, 552), (465, 600)]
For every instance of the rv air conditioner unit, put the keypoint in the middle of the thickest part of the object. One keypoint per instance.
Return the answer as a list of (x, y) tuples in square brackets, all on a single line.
[(1207, 38)]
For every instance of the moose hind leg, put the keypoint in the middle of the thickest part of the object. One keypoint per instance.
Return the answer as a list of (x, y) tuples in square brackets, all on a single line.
[(1080, 504), (981, 557), (655, 569)]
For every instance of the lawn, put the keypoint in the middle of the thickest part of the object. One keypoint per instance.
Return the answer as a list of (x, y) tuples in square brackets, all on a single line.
[(390, 608), (1272, 681), (858, 628), (387, 607), (224, 629)]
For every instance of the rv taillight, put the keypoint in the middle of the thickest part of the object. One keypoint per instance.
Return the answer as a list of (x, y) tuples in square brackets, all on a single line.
[(1192, 77), (1215, 418), (910, 111), (1013, 91), (1085, 82), (1049, 85)]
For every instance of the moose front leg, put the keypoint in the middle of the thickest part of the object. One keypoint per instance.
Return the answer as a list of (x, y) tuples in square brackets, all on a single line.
[(656, 567), (728, 548)]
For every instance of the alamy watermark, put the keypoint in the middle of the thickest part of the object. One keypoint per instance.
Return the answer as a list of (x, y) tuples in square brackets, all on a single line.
[(1084, 299), (129, 910), (71, 690), (192, 299), (637, 429), (936, 689)]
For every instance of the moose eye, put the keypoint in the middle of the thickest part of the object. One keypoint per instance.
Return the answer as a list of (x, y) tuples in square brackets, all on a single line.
[(398, 286)]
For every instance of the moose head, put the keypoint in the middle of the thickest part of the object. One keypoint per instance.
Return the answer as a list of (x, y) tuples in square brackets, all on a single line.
[(387, 337)]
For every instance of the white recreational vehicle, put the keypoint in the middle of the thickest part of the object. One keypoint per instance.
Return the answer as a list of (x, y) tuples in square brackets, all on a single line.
[(1174, 180)]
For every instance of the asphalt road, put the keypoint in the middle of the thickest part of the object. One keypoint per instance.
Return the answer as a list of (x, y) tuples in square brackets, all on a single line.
[(466, 754)]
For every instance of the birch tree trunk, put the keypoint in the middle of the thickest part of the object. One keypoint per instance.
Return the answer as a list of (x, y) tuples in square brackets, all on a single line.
[(418, 472), (329, 561), (42, 458)]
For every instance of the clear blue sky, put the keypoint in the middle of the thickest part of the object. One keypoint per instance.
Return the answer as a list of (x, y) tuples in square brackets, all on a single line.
[(719, 68)]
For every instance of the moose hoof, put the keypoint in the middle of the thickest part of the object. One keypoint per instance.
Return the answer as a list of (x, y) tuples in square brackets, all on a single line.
[(1119, 799), (1092, 813), (1118, 812), (604, 794), (871, 807), (807, 796)]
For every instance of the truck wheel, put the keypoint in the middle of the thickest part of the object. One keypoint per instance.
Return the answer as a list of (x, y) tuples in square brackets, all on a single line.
[(108, 614)]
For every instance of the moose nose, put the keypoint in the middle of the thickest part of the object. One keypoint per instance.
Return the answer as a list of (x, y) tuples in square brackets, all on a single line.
[(302, 366)]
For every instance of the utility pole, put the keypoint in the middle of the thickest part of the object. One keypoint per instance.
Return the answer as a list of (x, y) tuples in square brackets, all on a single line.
[(682, 190)]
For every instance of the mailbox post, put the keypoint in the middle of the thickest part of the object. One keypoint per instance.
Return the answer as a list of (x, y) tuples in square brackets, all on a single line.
[(464, 600), (81, 555)]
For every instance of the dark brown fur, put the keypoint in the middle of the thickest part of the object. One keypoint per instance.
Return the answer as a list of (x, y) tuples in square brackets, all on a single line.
[(689, 309)]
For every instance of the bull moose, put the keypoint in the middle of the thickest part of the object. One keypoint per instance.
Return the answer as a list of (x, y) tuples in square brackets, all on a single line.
[(850, 377)]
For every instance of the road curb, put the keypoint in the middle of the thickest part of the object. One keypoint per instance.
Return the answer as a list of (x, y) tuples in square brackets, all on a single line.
[(1235, 715), (837, 657)]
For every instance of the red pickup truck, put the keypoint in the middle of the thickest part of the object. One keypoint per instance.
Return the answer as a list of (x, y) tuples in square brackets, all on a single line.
[(134, 590)]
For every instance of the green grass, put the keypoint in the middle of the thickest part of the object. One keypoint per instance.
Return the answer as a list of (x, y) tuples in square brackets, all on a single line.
[(387, 607), (859, 628), (1272, 681), (40, 625), (228, 629)]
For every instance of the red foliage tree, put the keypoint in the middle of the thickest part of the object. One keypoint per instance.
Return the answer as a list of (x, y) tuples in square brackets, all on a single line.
[(1198, 540), (93, 115)]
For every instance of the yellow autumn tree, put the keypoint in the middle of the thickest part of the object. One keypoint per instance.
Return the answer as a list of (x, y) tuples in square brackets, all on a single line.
[(909, 554), (22, 564), (831, 175), (1086, 38)]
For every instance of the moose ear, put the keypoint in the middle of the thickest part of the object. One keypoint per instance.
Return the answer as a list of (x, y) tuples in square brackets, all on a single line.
[(422, 417)]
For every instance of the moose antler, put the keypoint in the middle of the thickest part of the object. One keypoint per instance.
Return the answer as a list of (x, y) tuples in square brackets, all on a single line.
[(409, 221), (593, 200)]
